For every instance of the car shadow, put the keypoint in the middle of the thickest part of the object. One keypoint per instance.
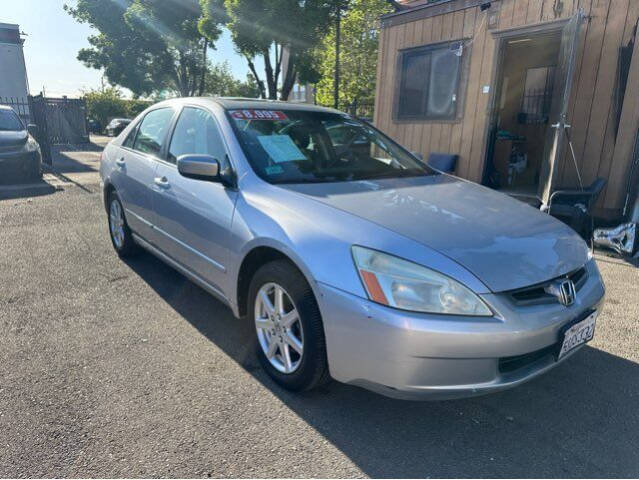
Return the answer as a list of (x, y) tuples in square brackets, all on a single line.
[(579, 420), (81, 161), (31, 189)]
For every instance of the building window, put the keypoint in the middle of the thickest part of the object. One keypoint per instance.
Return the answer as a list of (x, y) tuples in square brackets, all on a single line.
[(430, 79)]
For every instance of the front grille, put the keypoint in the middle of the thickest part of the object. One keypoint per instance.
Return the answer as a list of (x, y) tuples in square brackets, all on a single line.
[(537, 295)]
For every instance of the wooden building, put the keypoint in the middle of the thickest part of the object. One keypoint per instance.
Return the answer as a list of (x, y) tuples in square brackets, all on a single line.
[(507, 83)]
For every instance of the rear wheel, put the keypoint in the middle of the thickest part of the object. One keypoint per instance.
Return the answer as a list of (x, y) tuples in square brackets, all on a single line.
[(290, 340), (119, 230)]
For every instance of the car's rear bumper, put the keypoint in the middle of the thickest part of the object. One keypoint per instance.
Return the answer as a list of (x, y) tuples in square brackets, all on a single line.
[(419, 356)]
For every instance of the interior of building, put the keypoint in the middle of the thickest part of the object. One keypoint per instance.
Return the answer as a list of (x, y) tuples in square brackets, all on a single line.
[(523, 103)]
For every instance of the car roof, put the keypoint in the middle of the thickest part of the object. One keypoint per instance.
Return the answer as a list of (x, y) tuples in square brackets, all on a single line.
[(232, 103)]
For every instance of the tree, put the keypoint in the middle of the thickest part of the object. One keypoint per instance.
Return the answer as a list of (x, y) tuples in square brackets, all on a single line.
[(358, 62), (105, 104), (149, 46), (269, 29), (220, 82)]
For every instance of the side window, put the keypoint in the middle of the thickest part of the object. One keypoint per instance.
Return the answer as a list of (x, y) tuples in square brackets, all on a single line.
[(197, 132), (152, 131), (130, 138)]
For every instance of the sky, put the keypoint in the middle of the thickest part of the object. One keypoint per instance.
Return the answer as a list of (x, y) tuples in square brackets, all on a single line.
[(54, 38)]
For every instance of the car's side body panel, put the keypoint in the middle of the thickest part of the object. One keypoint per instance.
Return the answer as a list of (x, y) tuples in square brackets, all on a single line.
[(193, 223)]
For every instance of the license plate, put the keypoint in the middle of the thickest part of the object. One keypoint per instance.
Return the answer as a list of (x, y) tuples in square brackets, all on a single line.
[(578, 334)]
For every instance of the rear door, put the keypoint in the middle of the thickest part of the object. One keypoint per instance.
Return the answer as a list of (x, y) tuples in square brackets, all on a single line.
[(136, 162), (194, 216), (556, 136)]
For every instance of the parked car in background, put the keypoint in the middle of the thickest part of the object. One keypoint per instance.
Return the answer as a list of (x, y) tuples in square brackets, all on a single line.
[(95, 126), (116, 126), (20, 156), (350, 257)]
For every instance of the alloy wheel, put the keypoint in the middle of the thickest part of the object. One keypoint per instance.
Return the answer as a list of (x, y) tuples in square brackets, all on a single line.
[(279, 329), (116, 223)]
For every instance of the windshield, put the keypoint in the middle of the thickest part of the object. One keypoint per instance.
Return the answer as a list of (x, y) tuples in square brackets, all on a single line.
[(9, 121), (302, 146)]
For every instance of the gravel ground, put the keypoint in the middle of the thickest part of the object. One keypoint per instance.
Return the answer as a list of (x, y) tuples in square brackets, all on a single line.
[(127, 369)]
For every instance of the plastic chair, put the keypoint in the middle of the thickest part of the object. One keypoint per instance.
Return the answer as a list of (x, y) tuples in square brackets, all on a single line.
[(444, 162)]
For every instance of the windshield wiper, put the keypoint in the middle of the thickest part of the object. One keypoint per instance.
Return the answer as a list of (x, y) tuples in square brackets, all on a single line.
[(395, 174)]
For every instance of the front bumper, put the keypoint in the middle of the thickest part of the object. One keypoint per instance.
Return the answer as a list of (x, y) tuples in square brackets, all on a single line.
[(419, 356), (20, 166)]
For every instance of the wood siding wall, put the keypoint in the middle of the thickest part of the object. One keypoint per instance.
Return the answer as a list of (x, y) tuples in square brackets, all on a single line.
[(591, 109)]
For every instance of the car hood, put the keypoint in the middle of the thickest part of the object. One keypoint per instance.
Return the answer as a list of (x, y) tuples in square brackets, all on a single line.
[(13, 139), (502, 241)]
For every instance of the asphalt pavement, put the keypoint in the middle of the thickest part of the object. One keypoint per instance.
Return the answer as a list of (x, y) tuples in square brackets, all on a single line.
[(112, 368)]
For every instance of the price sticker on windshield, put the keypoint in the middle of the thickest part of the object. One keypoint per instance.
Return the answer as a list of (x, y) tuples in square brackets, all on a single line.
[(273, 115)]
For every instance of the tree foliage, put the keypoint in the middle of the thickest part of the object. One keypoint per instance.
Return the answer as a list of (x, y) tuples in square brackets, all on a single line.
[(150, 45), (106, 103), (220, 82), (358, 55), (266, 28)]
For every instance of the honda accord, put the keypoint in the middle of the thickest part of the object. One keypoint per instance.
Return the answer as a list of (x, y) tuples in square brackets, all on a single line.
[(350, 257)]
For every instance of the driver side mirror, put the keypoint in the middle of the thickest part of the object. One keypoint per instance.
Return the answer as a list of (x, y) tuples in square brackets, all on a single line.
[(32, 129), (199, 167)]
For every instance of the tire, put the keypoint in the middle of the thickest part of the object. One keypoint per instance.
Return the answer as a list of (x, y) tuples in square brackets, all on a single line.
[(122, 241), (33, 171), (310, 369)]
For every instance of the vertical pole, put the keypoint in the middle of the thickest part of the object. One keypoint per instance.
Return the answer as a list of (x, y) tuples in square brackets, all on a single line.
[(337, 45), (204, 68)]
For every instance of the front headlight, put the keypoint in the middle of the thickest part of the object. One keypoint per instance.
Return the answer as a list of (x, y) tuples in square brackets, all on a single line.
[(402, 284), (32, 145)]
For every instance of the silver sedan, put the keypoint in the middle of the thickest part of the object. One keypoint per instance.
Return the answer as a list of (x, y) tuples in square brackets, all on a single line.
[(351, 258)]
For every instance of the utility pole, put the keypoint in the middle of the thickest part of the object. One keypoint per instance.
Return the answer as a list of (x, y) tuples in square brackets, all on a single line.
[(338, 22)]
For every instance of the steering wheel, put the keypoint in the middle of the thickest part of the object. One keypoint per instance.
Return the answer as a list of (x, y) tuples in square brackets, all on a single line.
[(342, 150)]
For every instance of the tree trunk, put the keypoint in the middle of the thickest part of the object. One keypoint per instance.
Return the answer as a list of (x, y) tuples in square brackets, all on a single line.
[(289, 77), (204, 67), (182, 76), (337, 46), (271, 81), (260, 83)]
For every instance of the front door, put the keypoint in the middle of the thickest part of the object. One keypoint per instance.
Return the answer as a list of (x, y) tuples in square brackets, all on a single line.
[(193, 217), (556, 136)]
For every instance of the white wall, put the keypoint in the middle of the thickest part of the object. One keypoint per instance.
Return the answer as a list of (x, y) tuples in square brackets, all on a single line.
[(13, 76)]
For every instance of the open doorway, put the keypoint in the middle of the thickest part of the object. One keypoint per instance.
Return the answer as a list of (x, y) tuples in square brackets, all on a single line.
[(528, 125), (521, 114)]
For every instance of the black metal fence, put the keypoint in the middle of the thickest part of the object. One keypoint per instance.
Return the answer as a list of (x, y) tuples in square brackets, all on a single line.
[(363, 110), (20, 105), (66, 119), (59, 121)]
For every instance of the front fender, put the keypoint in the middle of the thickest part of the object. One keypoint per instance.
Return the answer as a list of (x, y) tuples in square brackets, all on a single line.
[(318, 239)]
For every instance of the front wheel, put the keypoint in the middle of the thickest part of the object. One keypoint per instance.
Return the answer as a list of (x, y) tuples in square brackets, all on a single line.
[(290, 339)]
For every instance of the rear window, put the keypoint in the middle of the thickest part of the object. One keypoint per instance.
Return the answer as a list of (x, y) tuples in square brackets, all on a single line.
[(9, 121)]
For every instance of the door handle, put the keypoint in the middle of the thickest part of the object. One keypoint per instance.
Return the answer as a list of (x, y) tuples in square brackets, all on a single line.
[(120, 162), (161, 182)]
